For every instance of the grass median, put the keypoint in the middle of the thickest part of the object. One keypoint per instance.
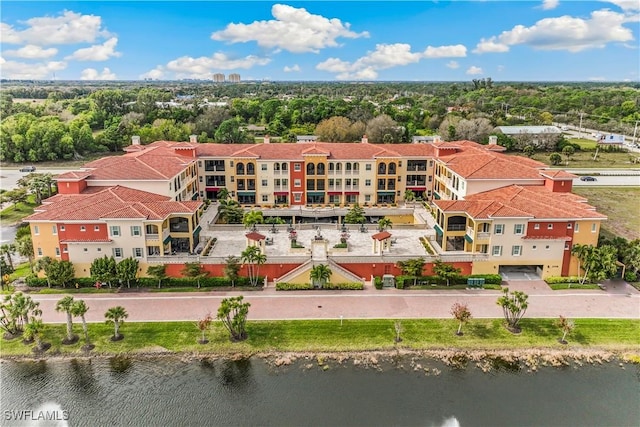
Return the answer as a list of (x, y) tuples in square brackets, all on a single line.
[(332, 336)]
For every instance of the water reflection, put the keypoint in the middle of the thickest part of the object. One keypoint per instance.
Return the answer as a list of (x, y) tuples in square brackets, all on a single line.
[(82, 377), (236, 374), (119, 364)]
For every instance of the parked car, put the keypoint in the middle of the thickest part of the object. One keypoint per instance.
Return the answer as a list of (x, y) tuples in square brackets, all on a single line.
[(587, 178), (28, 169)]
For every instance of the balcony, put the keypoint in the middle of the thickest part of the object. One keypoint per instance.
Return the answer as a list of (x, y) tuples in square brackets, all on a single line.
[(456, 227), (483, 235)]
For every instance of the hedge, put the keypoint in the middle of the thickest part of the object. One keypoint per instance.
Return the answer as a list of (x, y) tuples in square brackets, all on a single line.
[(283, 286), (377, 281), (560, 279), (406, 281), (150, 282)]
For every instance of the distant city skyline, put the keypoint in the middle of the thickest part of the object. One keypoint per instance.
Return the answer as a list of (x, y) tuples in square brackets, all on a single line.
[(548, 40)]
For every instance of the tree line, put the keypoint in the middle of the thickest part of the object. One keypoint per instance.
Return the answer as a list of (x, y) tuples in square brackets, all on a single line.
[(73, 120)]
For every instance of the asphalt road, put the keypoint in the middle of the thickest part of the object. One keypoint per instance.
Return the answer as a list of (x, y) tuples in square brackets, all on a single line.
[(9, 176)]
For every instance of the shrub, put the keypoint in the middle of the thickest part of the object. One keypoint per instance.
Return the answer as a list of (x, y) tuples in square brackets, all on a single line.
[(560, 279), (630, 276), (283, 286), (340, 245), (377, 282), (489, 279), (352, 286), (35, 281), (296, 245)]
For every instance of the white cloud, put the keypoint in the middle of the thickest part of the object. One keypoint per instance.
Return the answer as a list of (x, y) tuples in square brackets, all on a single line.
[(22, 70), (454, 51), (490, 46), (99, 52), (157, 73), (473, 70), (203, 67), (67, 28), (597, 79), (32, 52), (550, 4), (295, 30), (625, 4), (93, 74), (453, 65), (294, 68), (383, 57), (564, 33)]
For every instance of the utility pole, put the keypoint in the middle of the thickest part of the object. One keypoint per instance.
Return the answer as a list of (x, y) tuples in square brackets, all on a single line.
[(635, 129), (580, 135)]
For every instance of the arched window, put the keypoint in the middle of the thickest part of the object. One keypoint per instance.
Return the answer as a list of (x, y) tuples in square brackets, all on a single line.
[(240, 169), (332, 167), (392, 168), (276, 167), (356, 166), (348, 167), (311, 169), (320, 169), (284, 166), (382, 168), (251, 169), (338, 167)]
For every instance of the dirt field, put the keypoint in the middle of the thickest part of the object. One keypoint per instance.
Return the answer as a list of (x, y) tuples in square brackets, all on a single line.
[(621, 205)]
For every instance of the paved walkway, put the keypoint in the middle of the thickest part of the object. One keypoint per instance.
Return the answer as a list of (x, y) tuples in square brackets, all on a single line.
[(619, 300)]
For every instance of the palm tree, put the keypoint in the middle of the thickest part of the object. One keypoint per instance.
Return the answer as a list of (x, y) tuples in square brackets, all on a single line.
[(33, 331), (384, 223), (159, 272), (7, 250), (253, 258), (66, 305), (251, 218), (24, 247), (320, 275), (79, 309), (409, 196), (116, 316)]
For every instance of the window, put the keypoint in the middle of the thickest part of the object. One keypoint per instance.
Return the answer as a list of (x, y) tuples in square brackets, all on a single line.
[(547, 247), (137, 252), (594, 227), (36, 230), (367, 197), (114, 230), (57, 251), (62, 228), (311, 169), (516, 250), (39, 251), (96, 228), (498, 229), (534, 247), (567, 246), (284, 166), (367, 183), (496, 250), (297, 183), (568, 225), (117, 252), (65, 250), (264, 183), (367, 167), (518, 229), (536, 226), (54, 230), (136, 230), (297, 167), (549, 226), (99, 249), (265, 197), (83, 228), (576, 228), (297, 197), (85, 249), (263, 166)]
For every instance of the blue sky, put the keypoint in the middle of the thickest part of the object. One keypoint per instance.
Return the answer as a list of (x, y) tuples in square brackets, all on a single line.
[(544, 40)]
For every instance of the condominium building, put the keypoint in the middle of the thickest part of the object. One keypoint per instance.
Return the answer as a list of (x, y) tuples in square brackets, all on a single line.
[(490, 209)]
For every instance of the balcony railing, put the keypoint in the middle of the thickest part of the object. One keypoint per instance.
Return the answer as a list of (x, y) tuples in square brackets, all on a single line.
[(456, 227), (483, 235)]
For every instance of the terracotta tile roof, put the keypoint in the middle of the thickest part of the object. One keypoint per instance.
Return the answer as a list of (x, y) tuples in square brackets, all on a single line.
[(381, 235), (156, 162), (565, 238), (557, 174), (255, 236), (85, 240), (539, 202), (73, 176), (478, 163), (111, 202)]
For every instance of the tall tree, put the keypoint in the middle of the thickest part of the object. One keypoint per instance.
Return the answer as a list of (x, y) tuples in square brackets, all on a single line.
[(251, 218), (195, 271), (59, 273), (158, 272), (384, 223), (232, 268), (104, 269), (127, 270), (78, 309), (115, 316), (514, 305), (355, 215), (412, 267), (253, 259), (66, 305), (445, 272), (233, 315)]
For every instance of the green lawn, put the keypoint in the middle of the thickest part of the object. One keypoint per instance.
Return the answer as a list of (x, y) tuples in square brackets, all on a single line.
[(14, 214), (563, 286), (21, 270), (620, 204), (329, 335)]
